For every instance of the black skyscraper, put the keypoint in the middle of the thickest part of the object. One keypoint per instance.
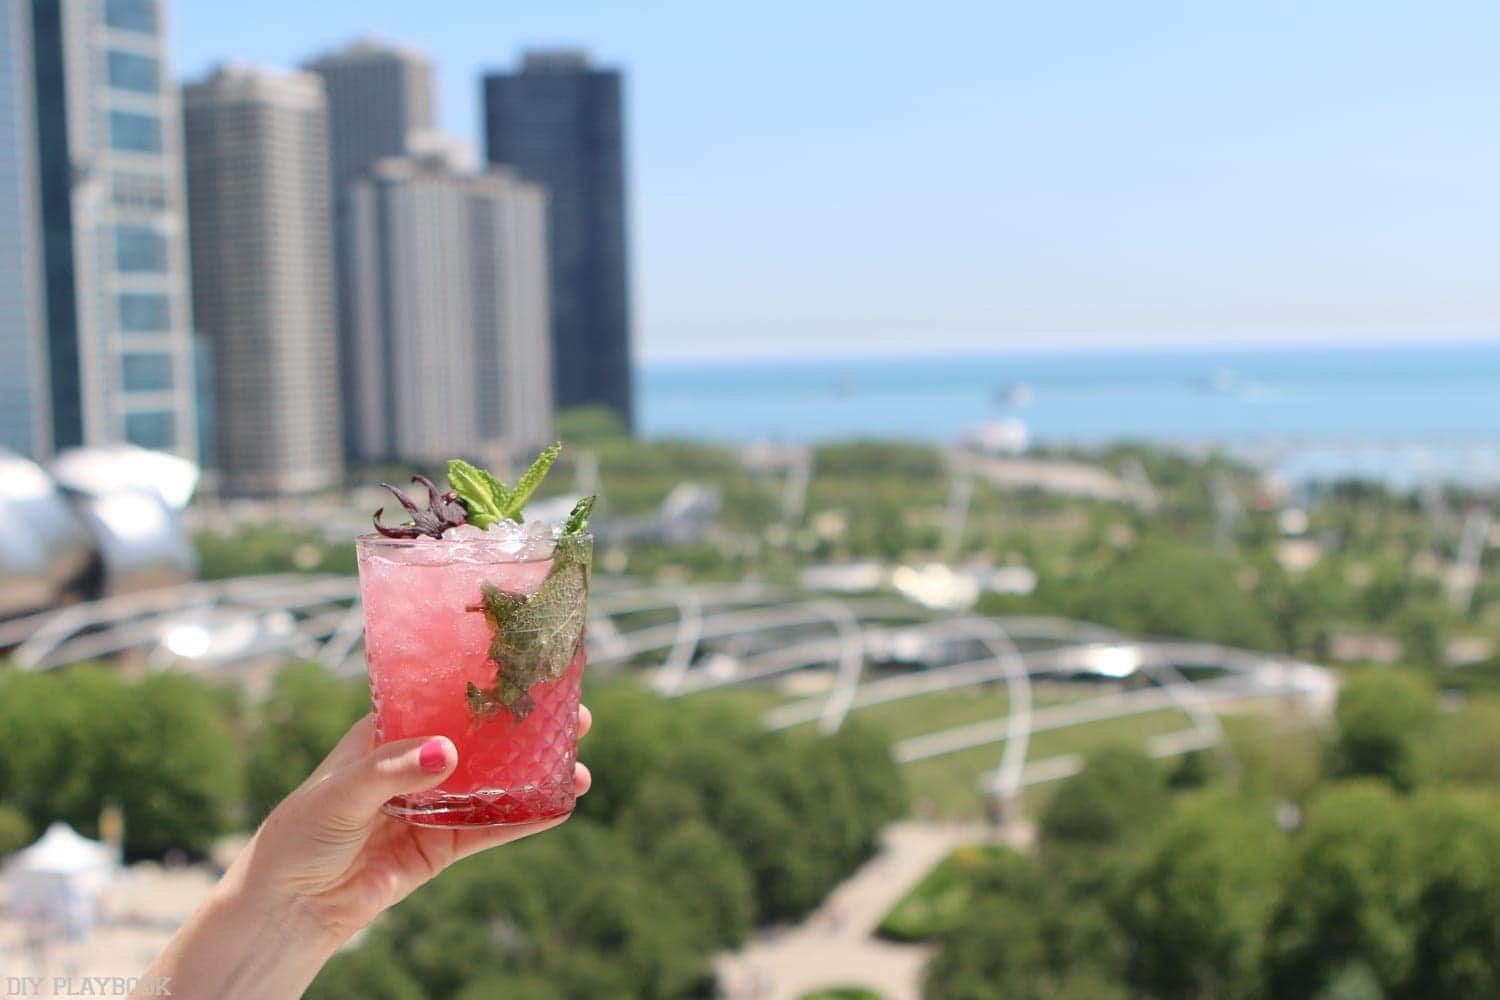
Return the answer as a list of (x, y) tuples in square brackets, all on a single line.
[(559, 122)]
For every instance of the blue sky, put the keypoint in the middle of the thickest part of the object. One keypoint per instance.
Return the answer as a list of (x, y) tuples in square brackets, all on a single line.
[(896, 178)]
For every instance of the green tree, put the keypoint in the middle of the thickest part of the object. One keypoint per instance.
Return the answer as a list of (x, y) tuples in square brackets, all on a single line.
[(1458, 911), (1385, 719), (1001, 950), (697, 868), (160, 747), (1119, 791), (876, 780), (1198, 900), (179, 779), (63, 731), (1350, 896), (1039, 944), (15, 829), (307, 711), (886, 459), (1176, 590), (1423, 629), (583, 425)]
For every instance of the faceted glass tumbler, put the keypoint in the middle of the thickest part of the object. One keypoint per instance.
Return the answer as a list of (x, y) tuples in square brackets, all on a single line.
[(442, 662)]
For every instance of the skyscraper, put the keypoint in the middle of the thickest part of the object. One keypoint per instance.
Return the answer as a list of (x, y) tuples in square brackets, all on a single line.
[(380, 101), (559, 121), (25, 403), (449, 350), (114, 233), (262, 250), (380, 104)]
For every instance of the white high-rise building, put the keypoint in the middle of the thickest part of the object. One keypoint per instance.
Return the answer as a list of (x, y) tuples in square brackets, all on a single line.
[(450, 350), (263, 276), (380, 104)]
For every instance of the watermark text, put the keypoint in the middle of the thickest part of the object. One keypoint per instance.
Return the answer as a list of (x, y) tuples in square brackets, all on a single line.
[(86, 986)]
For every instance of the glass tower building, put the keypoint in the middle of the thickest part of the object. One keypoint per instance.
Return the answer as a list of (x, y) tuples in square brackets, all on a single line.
[(25, 400), (560, 123), (108, 136)]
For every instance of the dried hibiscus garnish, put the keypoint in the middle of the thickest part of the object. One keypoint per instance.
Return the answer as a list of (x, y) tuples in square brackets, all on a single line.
[(444, 511)]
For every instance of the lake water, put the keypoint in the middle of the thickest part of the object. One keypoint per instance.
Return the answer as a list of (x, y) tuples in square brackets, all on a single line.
[(1400, 413)]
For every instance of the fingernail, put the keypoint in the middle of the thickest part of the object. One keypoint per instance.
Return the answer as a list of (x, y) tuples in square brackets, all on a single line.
[(433, 756)]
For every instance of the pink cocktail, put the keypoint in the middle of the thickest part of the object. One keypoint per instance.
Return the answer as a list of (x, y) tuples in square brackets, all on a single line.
[(479, 637)]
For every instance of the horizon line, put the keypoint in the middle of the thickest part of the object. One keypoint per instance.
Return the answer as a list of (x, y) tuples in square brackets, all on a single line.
[(1073, 348)]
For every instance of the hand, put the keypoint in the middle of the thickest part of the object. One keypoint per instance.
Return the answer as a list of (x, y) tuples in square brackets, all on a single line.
[(330, 851), (324, 864)]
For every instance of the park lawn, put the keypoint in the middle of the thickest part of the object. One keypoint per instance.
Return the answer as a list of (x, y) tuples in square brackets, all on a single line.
[(947, 787), (1285, 761), (936, 904), (1131, 730), (931, 713), (758, 698)]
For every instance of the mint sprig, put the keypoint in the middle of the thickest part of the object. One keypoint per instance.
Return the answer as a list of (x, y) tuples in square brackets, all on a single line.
[(578, 519), (530, 480), (535, 637), (482, 494), (487, 499)]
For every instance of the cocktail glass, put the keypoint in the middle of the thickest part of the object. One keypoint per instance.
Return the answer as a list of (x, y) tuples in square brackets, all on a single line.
[(479, 638)]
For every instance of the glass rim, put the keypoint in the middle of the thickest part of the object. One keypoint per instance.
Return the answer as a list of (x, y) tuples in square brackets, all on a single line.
[(373, 540)]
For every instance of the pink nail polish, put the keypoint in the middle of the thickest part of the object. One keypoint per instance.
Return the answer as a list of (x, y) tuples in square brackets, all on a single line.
[(433, 756)]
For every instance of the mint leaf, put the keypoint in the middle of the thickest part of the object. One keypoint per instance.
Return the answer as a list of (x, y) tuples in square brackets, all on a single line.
[(527, 484), (486, 703), (483, 702), (578, 520), (533, 638), (484, 496)]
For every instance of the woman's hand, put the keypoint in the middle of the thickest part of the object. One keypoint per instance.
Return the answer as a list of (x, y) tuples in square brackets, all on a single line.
[(324, 864), (330, 850)]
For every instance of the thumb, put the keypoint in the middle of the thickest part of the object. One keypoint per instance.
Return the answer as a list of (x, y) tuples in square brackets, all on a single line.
[(356, 791)]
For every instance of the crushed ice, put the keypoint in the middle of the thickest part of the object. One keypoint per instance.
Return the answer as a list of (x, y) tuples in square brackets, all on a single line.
[(533, 540)]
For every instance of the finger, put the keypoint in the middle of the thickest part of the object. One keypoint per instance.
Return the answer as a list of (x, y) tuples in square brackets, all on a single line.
[(355, 792), (583, 779), (585, 720), (358, 740)]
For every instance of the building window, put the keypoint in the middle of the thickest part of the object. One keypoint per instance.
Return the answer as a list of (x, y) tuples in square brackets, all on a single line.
[(129, 71), (144, 312), (132, 132), (146, 372), (140, 192), (131, 15), (152, 429), (139, 249)]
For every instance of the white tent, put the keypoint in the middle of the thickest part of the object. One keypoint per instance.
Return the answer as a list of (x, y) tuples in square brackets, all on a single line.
[(60, 879)]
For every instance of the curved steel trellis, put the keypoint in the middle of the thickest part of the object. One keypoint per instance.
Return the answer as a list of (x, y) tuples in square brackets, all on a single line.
[(748, 633)]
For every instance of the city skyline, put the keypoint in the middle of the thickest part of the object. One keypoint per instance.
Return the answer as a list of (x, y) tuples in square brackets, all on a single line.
[(968, 179)]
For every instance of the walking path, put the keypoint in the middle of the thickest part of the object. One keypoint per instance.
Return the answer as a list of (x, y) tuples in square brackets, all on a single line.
[(836, 944)]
